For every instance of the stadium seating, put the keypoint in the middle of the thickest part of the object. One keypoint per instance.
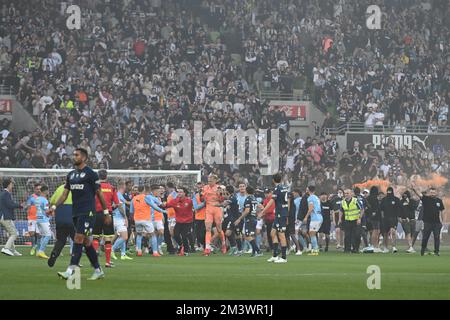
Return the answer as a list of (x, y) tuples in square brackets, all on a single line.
[(136, 70)]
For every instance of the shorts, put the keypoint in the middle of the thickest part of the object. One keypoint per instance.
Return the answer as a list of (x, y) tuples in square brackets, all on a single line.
[(84, 224), (325, 227), (259, 224), (239, 228), (228, 224), (43, 228), (419, 225), (409, 227), (101, 228), (119, 226), (64, 231), (388, 224), (144, 226), (213, 214), (171, 222), (315, 225), (158, 225), (250, 227), (32, 226), (279, 224), (373, 224), (304, 227)]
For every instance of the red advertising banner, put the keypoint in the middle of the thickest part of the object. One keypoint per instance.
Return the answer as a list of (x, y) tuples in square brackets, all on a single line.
[(5, 106), (297, 112)]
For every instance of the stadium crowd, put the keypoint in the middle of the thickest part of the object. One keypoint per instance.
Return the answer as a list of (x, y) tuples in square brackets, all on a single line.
[(137, 70)]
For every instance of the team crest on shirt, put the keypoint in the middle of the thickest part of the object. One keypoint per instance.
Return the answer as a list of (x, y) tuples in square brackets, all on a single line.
[(393, 202), (82, 175), (438, 204)]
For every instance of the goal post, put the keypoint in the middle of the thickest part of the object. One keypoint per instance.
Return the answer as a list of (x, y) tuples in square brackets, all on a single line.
[(26, 178)]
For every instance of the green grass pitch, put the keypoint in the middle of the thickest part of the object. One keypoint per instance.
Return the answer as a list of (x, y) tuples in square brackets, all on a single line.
[(331, 275)]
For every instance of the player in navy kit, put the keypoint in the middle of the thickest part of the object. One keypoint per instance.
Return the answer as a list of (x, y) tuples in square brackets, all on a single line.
[(230, 215), (84, 184), (280, 197), (249, 217)]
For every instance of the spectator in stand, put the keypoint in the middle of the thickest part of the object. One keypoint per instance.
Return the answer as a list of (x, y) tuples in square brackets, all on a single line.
[(109, 88)]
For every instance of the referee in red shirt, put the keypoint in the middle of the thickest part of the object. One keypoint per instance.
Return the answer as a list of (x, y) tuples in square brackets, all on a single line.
[(184, 217), (104, 226)]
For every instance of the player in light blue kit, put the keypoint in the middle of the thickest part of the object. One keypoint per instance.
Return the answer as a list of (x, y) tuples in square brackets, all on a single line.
[(120, 225), (315, 211), (241, 196), (157, 218), (43, 221)]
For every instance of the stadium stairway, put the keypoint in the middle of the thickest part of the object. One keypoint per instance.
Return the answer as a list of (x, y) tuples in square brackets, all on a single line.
[(20, 117)]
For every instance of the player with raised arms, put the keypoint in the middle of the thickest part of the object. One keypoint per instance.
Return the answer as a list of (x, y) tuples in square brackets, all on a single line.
[(211, 195)]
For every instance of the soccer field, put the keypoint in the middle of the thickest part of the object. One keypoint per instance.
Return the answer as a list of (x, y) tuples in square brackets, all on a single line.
[(329, 276)]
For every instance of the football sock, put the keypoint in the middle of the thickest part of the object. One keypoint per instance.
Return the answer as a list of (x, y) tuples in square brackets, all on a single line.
[(95, 244), (254, 246), (222, 238), (139, 242), (232, 239), (208, 239), (92, 256), (315, 246), (283, 252), (275, 250), (44, 243), (258, 240), (239, 244), (118, 244), (76, 254), (302, 242), (155, 243), (108, 251)]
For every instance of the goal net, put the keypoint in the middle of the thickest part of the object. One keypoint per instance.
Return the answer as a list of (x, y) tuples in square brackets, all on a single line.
[(26, 178)]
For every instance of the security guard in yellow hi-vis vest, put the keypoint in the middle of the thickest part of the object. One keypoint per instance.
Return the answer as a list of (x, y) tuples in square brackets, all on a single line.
[(351, 214)]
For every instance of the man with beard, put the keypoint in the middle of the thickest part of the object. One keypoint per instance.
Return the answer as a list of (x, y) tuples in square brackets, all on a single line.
[(433, 218), (84, 184)]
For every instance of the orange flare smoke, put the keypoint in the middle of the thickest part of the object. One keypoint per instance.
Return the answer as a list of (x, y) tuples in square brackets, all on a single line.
[(382, 184), (436, 181)]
